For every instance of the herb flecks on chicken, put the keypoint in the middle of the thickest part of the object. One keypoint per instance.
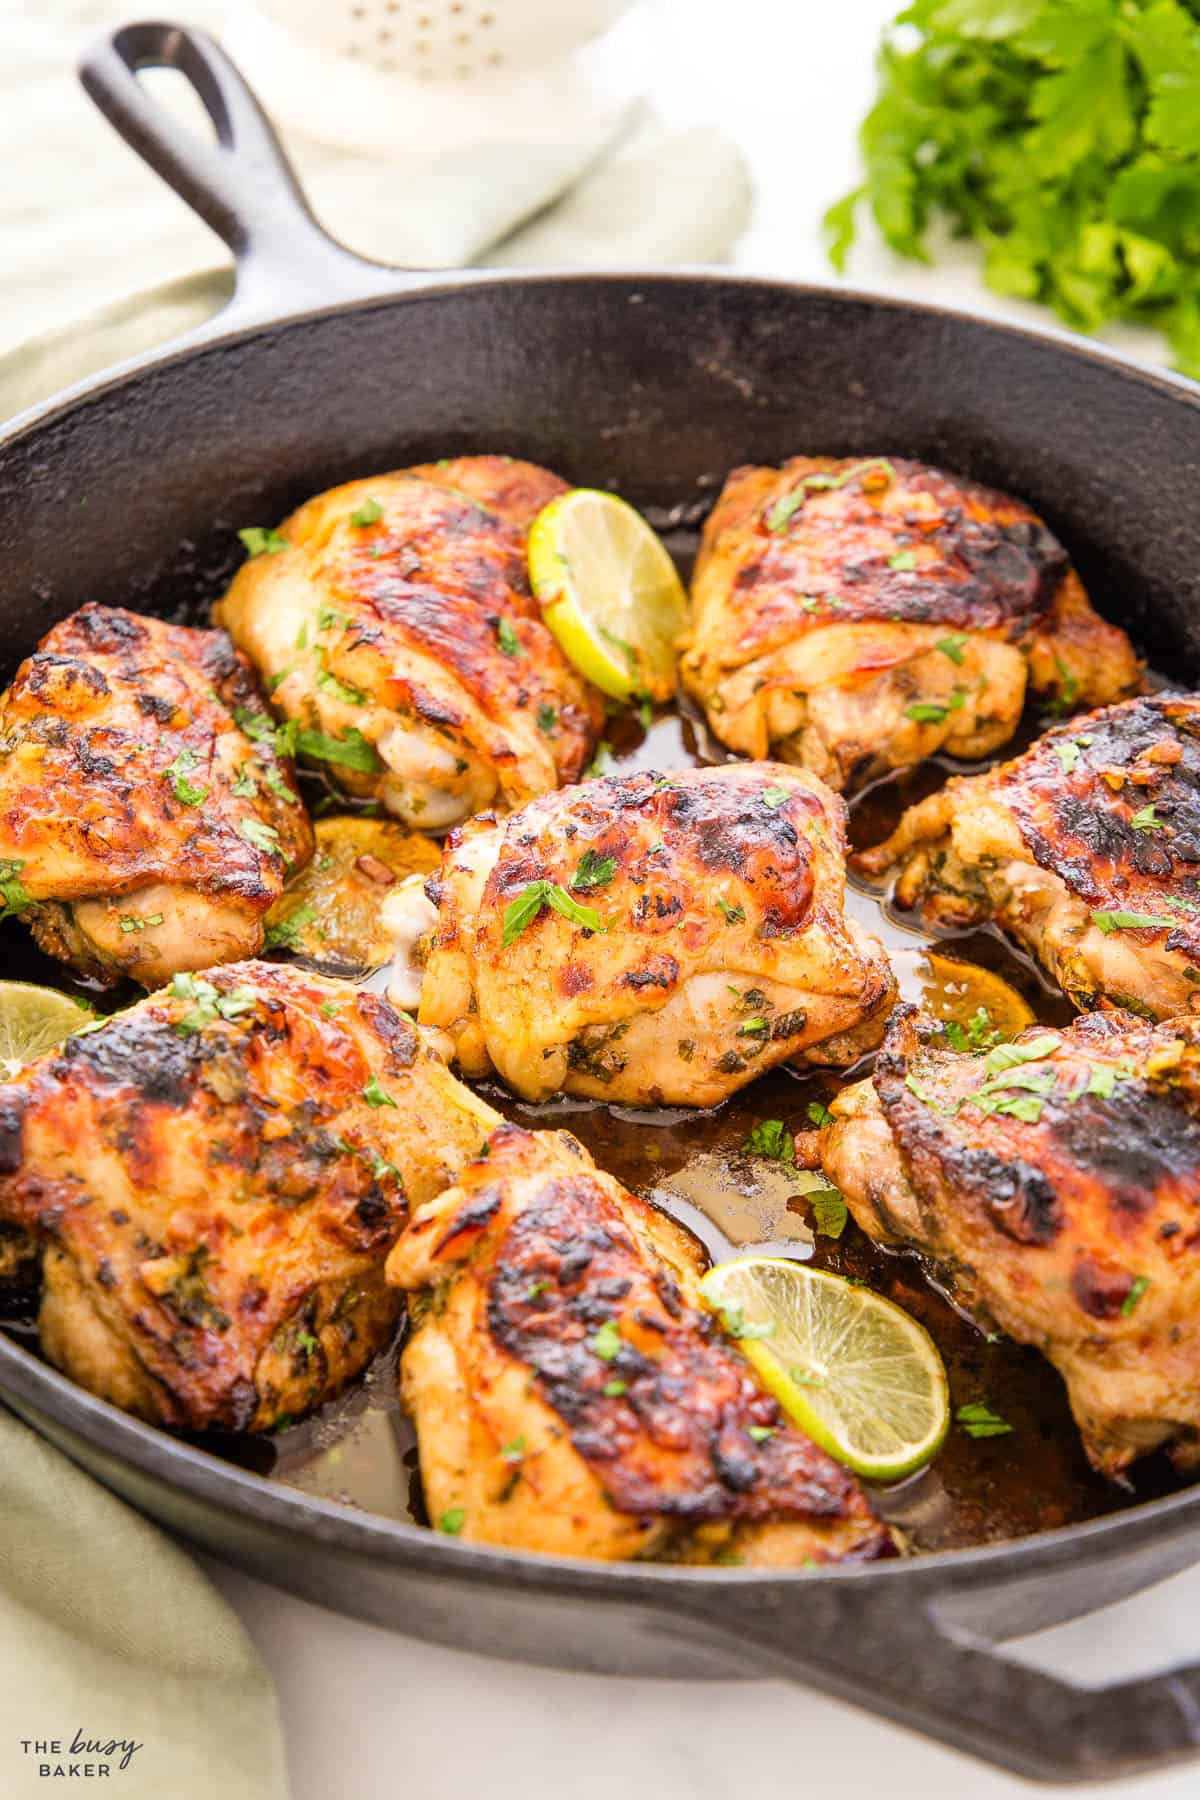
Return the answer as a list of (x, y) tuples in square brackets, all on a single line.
[(573, 1395), (1054, 1182), (395, 627), (653, 938), (1086, 850), (216, 1176), (858, 615), (142, 831)]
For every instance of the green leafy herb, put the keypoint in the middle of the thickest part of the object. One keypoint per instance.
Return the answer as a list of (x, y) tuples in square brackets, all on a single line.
[(351, 750), (829, 1212), (1063, 136), (775, 796), (535, 1288), (979, 1421), (1012, 1056), (333, 684), (593, 872), (734, 915), (605, 1342), (792, 501), (183, 789), (596, 766), (12, 889), (536, 895), (257, 726), (209, 1003), (260, 541), (1068, 756), (903, 561), (956, 1036), (547, 719), (612, 1390), (1140, 1284), (139, 921), (369, 513), (1128, 921), (278, 786), (452, 1520), (245, 787), (283, 935), (770, 1137), (926, 712), (514, 1451), (374, 1095), (819, 1114), (952, 647), (1146, 820), (760, 1433), (330, 619), (1177, 903), (507, 638), (263, 837), (329, 1010)]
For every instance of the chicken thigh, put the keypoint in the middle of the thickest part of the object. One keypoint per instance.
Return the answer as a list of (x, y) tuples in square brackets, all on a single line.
[(216, 1176), (1055, 1183), (1086, 850), (651, 938), (856, 616), (573, 1395), (142, 831), (393, 622)]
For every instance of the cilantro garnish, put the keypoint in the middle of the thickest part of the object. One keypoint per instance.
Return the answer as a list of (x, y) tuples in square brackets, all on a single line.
[(262, 541), (536, 895)]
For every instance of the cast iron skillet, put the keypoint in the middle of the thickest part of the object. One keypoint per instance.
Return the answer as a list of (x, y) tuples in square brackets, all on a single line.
[(128, 490)]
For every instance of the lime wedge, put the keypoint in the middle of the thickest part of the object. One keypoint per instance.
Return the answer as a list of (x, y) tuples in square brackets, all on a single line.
[(33, 1020), (851, 1369), (609, 592)]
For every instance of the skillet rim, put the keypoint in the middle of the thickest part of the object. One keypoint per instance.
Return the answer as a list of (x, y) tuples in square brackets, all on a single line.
[(152, 1450)]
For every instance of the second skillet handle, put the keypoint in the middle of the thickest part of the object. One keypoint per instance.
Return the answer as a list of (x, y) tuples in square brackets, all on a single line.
[(242, 186), (896, 1655)]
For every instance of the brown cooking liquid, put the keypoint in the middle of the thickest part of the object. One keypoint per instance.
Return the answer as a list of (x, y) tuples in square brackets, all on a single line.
[(361, 1449)]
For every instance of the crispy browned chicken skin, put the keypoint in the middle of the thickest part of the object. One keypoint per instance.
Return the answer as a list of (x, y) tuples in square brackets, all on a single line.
[(857, 615), (216, 1176), (572, 1394), (1086, 850), (396, 626), (721, 948), (1055, 1184), (141, 830)]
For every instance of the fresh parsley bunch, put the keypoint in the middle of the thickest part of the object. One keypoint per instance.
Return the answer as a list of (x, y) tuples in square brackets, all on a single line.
[(1064, 136)]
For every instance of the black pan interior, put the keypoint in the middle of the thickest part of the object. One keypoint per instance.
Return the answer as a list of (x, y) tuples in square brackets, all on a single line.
[(656, 388)]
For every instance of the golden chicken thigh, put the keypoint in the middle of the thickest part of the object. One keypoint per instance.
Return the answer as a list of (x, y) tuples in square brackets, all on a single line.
[(856, 616), (393, 622), (142, 831), (1086, 850), (1055, 1183), (216, 1176), (651, 938), (573, 1395)]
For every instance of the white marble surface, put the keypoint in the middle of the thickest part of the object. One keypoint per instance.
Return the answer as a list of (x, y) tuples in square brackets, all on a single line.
[(370, 1716)]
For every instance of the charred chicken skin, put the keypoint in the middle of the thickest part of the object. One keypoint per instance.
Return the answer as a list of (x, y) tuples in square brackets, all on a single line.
[(859, 615), (393, 621), (1086, 850), (652, 938), (216, 1176), (572, 1394), (141, 830), (1055, 1183)]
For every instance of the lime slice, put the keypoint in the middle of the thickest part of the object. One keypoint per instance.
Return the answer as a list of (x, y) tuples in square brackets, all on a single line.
[(33, 1020), (854, 1371), (609, 592)]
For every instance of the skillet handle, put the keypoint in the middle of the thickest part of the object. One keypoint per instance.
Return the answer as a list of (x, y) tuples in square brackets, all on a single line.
[(242, 186), (898, 1656)]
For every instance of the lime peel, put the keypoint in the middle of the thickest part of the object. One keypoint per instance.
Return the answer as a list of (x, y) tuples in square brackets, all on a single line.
[(33, 1020)]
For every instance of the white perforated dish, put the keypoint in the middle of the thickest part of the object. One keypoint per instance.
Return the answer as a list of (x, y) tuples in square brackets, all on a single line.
[(446, 40)]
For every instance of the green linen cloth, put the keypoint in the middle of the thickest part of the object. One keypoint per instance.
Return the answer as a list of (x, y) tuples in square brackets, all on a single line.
[(109, 1632)]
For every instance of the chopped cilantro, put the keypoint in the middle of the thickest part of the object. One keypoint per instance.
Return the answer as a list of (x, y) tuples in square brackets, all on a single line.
[(263, 837), (369, 513), (547, 719), (979, 1421), (185, 792), (1137, 1289), (612, 1390), (819, 1114), (536, 895), (507, 638), (903, 561), (952, 647), (734, 915), (1147, 820), (770, 1137), (283, 935), (606, 1341), (452, 1520), (593, 872), (352, 750), (374, 1095), (926, 712), (1128, 921), (829, 1212), (262, 541)]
